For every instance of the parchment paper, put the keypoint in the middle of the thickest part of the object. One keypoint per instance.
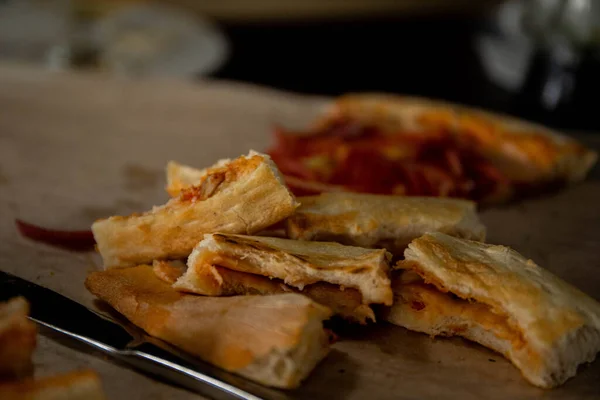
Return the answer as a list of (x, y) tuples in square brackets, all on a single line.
[(74, 148)]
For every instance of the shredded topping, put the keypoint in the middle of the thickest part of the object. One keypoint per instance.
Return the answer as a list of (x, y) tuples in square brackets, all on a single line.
[(364, 159), (205, 189)]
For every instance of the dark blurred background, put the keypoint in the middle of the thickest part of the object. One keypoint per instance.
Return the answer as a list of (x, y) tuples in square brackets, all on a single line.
[(534, 59)]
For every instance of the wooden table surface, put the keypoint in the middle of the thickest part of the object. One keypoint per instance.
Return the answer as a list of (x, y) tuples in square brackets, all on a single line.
[(74, 148)]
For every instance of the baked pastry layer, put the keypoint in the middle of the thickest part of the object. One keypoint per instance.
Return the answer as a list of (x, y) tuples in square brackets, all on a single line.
[(545, 326), (380, 221), (245, 195), (346, 303), (275, 340), (297, 263)]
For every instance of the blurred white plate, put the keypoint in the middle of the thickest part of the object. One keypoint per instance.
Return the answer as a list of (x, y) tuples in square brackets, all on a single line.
[(152, 40), (505, 55)]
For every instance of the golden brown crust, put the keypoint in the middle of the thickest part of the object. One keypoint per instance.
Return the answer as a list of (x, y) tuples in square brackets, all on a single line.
[(560, 325), (297, 263), (244, 196), (17, 339), (523, 151), (379, 221), (78, 385), (275, 340), (345, 303)]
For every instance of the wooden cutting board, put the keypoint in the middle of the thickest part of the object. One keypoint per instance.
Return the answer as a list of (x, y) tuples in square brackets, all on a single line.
[(74, 148)]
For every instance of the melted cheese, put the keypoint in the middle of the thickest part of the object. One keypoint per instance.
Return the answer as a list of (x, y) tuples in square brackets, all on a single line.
[(433, 305)]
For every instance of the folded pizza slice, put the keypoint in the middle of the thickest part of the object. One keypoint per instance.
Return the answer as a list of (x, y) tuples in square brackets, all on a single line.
[(297, 263), (17, 339), (245, 195), (494, 296), (390, 144), (275, 340), (380, 221), (345, 303)]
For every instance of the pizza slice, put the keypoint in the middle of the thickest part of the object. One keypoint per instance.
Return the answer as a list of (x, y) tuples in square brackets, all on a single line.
[(345, 303), (298, 263), (494, 296), (380, 221), (274, 340), (386, 144), (245, 195)]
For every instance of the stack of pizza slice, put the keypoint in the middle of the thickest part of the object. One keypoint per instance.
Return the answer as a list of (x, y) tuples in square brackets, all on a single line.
[(238, 271)]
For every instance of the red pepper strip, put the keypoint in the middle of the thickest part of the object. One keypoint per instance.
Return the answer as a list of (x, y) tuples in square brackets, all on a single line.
[(70, 240)]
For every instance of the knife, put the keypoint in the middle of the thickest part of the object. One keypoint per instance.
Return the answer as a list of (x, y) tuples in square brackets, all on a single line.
[(127, 343)]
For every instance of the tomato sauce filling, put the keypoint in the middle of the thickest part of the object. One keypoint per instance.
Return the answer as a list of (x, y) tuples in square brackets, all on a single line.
[(357, 158)]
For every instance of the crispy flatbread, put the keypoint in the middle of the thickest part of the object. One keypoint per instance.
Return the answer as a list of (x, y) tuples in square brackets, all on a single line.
[(297, 263), (380, 221), (346, 303), (274, 340), (494, 296), (245, 195)]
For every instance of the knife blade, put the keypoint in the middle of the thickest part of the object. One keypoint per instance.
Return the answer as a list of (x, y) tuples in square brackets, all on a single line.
[(127, 343)]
